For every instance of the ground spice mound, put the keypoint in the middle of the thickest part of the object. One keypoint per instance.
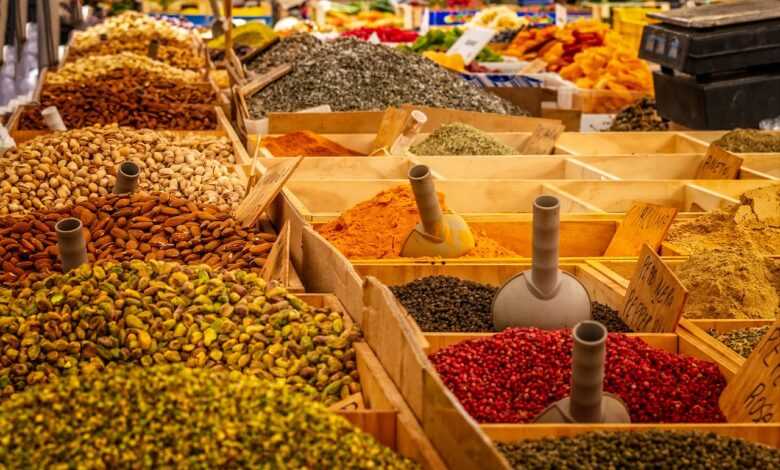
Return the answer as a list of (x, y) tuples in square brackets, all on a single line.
[(378, 228), (646, 449), (750, 140), (173, 417), (754, 224), (307, 144), (728, 283), (512, 376), (460, 139)]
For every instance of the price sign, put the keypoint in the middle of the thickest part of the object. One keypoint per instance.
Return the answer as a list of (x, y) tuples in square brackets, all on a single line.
[(542, 140), (265, 190), (655, 297), (643, 224), (561, 15), (471, 43), (754, 393), (277, 266), (719, 164)]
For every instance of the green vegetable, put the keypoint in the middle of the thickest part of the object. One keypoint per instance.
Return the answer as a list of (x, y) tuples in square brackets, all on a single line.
[(440, 41)]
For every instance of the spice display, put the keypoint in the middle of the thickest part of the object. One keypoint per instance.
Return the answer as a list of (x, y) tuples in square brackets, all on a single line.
[(460, 139), (127, 63), (139, 226), (174, 417), (646, 449), (742, 340), (305, 143), (289, 50), (349, 74), (439, 40), (447, 304), (57, 170), (728, 283), (608, 317), (640, 116), (557, 46), (750, 141), (378, 228), (166, 313), (752, 225), (512, 376), (384, 33), (132, 32)]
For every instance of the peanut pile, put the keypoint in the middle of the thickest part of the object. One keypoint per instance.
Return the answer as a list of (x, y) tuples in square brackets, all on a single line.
[(58, 170)]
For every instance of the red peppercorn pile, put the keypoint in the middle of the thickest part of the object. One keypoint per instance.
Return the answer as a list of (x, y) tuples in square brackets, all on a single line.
[(512, 376), (384, 33)]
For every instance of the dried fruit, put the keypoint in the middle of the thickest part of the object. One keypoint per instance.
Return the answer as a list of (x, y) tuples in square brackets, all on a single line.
[(174, 417), (139, 312)]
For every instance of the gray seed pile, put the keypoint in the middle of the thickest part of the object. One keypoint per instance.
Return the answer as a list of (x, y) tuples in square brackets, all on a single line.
[(643, 450), (608, 317), (287, 51), (743, 340), (460, 139), (350, 74), (447, 304)]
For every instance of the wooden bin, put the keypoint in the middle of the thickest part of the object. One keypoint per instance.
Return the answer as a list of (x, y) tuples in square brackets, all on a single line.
[(628, 143)]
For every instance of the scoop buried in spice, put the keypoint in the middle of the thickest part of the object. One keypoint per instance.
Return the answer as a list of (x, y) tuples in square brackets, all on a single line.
[(544, 297), (440, 235), (587, 403)]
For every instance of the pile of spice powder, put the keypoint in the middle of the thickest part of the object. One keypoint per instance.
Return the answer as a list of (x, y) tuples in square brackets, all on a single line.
[(750, 141), (512, 376), (743, 340), (378, 228), (460, 139), (728, 283), (174, 417), (754, 224), (307, 144), (646, 449), (350, 74), (448, 304)]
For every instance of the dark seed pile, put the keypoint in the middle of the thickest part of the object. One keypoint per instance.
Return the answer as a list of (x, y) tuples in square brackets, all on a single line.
[(640, 116), (650, 449), (448, 304), (750, 140), (350, 74), (287, 51), (743, 340), (609, 318), (174, 417)]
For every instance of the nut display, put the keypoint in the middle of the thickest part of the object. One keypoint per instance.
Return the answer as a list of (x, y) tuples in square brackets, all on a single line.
[(174, 417), (58, 170), (139, 226), (93, 67), (166, 313)]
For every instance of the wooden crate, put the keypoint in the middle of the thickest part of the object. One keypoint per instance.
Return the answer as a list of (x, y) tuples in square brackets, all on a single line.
[(320, 201), (707, 137), (628, 143)]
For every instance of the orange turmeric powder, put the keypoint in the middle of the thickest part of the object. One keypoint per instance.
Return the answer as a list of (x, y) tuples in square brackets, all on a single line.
[(307, 144), (378, 228)]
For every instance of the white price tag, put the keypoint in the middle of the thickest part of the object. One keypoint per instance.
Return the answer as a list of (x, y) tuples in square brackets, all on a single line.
[(560, 15), (374, 38), (472, 42)]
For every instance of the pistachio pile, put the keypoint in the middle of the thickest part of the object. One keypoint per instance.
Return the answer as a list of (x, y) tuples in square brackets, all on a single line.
[(92, 67), (97, 316), (57, 170), (139, 226), (174, 417)]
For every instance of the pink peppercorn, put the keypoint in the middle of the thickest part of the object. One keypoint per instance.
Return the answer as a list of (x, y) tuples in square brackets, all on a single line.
[(512, 376)]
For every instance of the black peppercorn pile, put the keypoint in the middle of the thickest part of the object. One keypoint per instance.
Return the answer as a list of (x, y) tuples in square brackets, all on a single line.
[(608, 317), (448, 304), (651, 449)]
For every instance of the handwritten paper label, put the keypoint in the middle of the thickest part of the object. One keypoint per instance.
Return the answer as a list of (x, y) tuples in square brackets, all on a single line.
[(542, 140), (471, 43), (265, 190), (754, 393), (277, 266), (643, 223), (655, 297), (719, 164)]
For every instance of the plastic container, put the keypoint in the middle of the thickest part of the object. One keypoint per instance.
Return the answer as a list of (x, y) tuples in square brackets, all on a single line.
[(630, 21)]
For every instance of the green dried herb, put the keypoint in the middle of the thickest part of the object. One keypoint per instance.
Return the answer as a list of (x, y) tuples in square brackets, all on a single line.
[(640, 116), (159, 313), (174, 417), (460, 139), (648, 449), (743, 340), (750, 140)]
